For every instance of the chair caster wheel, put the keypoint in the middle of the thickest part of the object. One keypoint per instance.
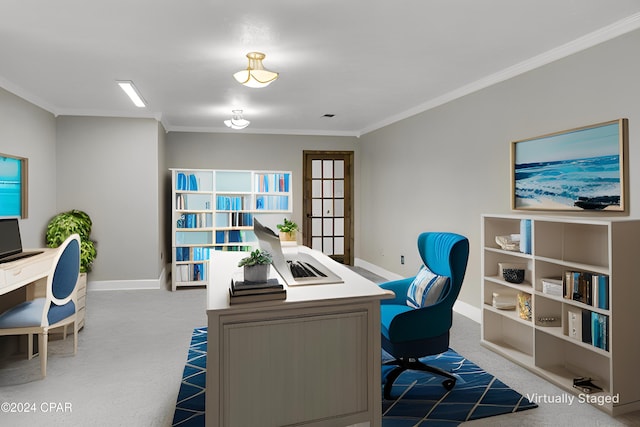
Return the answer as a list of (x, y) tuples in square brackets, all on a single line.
[(448, 384)]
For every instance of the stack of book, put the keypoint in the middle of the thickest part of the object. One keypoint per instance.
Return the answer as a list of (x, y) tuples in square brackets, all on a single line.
[(589, 327), (588, 288), (242, 292)]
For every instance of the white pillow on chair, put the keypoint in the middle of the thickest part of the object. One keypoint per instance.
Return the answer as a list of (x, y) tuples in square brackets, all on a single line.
[(426, 289)]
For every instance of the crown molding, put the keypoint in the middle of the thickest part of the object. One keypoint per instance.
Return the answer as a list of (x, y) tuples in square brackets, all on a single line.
[(26, 95), (250, 130), (585, 42)]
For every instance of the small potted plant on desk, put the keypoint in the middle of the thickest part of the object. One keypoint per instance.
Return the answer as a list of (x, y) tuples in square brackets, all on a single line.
[(287, 230), (256, 266)]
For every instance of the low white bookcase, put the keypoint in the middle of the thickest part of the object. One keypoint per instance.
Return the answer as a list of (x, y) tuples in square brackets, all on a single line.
[(552, 342)]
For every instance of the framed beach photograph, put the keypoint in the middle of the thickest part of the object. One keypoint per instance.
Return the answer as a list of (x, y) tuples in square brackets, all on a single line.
[(13, 186), (582, 169)]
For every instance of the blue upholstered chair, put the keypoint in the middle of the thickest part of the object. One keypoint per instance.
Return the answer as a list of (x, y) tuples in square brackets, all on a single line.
[(416, 322), (57, 309)]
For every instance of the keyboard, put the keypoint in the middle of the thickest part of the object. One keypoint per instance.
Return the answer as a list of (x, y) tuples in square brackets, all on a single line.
[(18, 256), (304, 269)]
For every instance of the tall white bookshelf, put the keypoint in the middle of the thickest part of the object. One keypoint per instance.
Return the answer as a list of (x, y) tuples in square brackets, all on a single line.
[(214, 209), (548, 343)]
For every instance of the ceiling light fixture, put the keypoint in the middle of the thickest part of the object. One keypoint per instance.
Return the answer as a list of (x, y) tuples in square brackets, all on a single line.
[(129, 88), (255, 75), (237, 121)]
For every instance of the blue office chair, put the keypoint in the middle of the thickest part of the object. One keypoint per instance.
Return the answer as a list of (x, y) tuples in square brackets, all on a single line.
[(57, 309), (416, 322)]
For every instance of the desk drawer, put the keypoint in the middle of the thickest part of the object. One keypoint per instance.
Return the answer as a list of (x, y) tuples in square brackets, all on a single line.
[(23, 273)]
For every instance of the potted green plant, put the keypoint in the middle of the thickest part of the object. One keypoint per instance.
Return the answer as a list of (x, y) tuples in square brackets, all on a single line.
[(256, 266), (67, 223), (287, 230)]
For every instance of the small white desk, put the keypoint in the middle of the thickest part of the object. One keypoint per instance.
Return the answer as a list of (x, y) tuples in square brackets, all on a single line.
[(18, 281), (311, 360), (20, 273)]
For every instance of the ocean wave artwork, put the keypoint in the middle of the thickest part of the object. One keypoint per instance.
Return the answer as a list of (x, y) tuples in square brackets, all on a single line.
[(592, 183), (573, 170), (10, 186)]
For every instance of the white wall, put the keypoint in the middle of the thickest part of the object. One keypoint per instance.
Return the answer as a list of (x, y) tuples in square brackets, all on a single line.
[(108, 167), (249, 151), (439, 170), (442, 169), (164, 191), (29, 131)]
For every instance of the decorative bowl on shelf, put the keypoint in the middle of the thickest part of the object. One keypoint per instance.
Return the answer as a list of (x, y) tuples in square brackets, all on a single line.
[(512, 272), (513, 275)]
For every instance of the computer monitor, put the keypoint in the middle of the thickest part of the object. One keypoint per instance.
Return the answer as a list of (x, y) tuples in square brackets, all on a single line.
[(295, 268)]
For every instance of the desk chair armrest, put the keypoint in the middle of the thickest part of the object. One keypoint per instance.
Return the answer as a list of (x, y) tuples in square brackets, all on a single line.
[(399, 288), (422, 323)]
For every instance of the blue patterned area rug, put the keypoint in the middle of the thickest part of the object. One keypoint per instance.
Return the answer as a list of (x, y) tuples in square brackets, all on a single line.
[(421, 400), (190, 405)]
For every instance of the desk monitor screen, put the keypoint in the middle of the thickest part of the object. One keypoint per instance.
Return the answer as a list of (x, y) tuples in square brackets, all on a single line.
[(295, 269), (11, 242)]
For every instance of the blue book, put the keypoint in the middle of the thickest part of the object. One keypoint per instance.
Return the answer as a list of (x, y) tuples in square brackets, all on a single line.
[(587, 327), (193, 182), (181, 183), (595, 330), (525, 236), (603, 292)]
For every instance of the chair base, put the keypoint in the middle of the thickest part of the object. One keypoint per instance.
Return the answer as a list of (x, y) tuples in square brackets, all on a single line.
[(416, 365)]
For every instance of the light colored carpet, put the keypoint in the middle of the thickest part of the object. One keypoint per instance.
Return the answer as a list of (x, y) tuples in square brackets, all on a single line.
[(132, 352)]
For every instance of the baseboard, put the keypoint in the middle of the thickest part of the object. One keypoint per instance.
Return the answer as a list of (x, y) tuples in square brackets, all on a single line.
[(460, 307), (128, 285), (376, 269), (468, 310)]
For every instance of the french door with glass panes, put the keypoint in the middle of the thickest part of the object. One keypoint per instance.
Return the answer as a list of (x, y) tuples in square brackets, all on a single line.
[(328, 206)]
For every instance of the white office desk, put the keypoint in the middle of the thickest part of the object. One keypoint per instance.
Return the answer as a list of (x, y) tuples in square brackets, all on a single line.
[(311, 360), (17, 275)]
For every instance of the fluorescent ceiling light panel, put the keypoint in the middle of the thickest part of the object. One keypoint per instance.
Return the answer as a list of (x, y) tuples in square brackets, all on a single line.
[(129, 88)]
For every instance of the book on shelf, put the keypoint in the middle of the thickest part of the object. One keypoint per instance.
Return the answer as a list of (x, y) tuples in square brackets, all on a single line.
[(272, 203), (587, 288), (199, 220), (181, 202), (589, 327), (574, 324), (230, 203), (600, 330), (272, 182), (181, 273), (183, 184), (190, 273), (241, 219), (601, 291), (587, 337), (181, 181)]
